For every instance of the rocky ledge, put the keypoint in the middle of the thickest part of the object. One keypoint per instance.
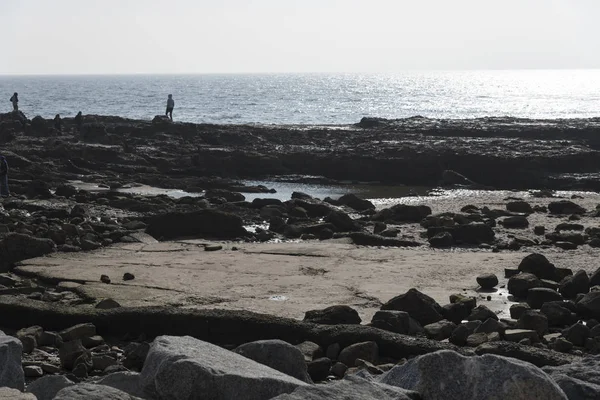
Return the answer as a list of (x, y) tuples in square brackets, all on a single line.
[(493, 152)]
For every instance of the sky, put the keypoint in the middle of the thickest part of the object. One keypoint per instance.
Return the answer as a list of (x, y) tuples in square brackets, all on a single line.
[(255, 36)]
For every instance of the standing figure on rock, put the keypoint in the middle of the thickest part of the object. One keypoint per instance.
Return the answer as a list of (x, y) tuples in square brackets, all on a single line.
[(170, 107), (79, 121), (58, 123), (4, 192), (15, 101)]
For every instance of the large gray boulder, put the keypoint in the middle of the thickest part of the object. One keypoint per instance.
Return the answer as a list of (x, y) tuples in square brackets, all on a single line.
[(446, 375), (11, 372), (89, 391), (187, 368), (126, 381), (576, 389), (47, 387), (14, 394), (351, 388), (278, 355), (587, 370)]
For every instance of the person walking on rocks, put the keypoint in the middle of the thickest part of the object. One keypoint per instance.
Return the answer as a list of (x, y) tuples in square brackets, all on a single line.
[(58, 123), (170, 107), (79, 121), (15, 101), (4, 192)]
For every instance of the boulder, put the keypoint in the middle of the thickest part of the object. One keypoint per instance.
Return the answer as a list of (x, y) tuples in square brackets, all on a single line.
[(589, 305), (533, 320), (126, 381), (487, 281), (48, 386), (576, 389), (481, 313), (571, 286), (89, 391), (516, 310), (446, 375), (319, 369), (135, 355), (441, 240), (368, 351), (419, 306), (78, 331), (355, 202), (520, 284), (537, 356), (351, 388), (577, 334), (17, 247), (403, 213), (310, 350), (538, 265), (558, 314), (536, 297), (278, 355), (586, 369), (225, 194), (595, 278), (11, 373), (187, 368), (333, 315), (201, 223), (565, 207), (14, 394), (396, 321), (515, 222), (342, 221), (440, 330), (519, 206)]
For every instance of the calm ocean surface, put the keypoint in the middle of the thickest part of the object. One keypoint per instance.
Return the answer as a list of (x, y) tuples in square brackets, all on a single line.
[(313, 99)]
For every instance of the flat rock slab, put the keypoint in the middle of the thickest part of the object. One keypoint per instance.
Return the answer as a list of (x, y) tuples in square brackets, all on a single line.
[(284, 279)]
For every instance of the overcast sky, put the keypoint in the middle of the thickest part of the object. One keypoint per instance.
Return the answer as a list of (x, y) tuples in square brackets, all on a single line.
[(223, 36)]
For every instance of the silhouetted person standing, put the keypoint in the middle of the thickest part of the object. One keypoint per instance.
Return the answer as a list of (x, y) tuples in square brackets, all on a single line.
[(15, 101), (58, 123), (170, 107), (79, 121), (4, 192)]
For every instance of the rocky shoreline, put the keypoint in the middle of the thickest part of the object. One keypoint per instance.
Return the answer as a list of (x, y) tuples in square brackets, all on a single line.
[(67, 345)]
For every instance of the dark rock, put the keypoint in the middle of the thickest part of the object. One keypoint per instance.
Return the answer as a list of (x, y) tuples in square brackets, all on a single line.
[(477, 339), (520, 284), (203, 223), (584, 369), (562, 345), (487, 281), (440, 330), (537, 356), (533, 320), (419, 306), (558, 314), (490, 325), (310, 350), (536, 297), (481, 313), (565, 245), (519, 207), (104, 279), (522, 336), (577, 334), (135, 356), (69, 352), (565, 207), (396, 321), (278, 355), (571, 286), (589, 305), (342, 221), (78, 331), (355, 202), (128, 276), (441, 240), (17, 247), (403, 213), (319, 369), (368, 351), (456, 312), (538, 265), (333, 315), (515, 222), (576, 389), (516, 310), (106, 304), (474, 233), (539, 230)]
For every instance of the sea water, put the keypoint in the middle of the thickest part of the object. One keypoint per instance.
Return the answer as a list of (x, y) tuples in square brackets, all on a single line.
[(313, 99)]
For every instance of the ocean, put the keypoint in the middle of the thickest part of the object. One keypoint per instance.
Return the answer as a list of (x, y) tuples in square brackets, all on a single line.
[(313, 99)]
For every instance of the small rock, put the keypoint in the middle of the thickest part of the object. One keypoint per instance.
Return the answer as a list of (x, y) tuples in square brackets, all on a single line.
[(104, 279), (368, 351), (562, 345), (319, 369), (100, 363), (213, 247), (128, 276), (481, 313), (333, 351), (339, 369), (516, 310), (516, 335), (107, 304), (536, 297), (477, 339), (78, 331)]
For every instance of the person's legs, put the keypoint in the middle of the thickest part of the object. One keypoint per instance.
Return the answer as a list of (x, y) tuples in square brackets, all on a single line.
[(4, 192)]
